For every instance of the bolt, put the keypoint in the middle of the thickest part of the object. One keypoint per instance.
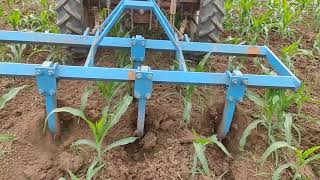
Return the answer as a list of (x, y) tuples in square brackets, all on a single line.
[(149, 76), (38, 72), (50, 73), (143, 44), (133, 43), (148, 95), (138, 76), (41, 92), (245, 82), (230, 98), (234, 81), (52, 92), (137, 95), (240, 99)]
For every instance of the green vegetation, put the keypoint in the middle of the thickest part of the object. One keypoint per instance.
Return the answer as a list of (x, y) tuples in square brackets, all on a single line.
[(101, 128), (200, 144)]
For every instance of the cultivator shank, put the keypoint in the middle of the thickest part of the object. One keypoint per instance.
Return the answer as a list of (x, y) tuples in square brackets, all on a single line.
[(144, 77)]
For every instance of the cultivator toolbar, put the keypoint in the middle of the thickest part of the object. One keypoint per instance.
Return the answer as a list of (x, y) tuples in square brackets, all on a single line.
[(143, 77)]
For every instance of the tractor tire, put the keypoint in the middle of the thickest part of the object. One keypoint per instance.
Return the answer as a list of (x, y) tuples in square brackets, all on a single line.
[(206, 25), (72, 19), (70, 16)]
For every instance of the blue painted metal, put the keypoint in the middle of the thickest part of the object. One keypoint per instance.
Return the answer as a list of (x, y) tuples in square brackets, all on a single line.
[(142, 76), (138, 50), (235, 91), (47, 86), (142, 91)]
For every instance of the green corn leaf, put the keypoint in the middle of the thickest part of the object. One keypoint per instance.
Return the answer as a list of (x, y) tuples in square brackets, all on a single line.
[(93, 169), (75, 112), (247, 132), (202, 63), (273, 147), (121, 109), (313, 158), (72, 176), (287, 127), (194, 166), (84, 98), (202, 158), (255, 98), (120, 142), (10, 95), (215, 140), (86, 142), (298, 132), (278, 172), (310, 151)]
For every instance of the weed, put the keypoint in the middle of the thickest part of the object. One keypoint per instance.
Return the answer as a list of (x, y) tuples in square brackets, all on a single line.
[(302, 158), (200, 144), (101, 128), (8, 139)]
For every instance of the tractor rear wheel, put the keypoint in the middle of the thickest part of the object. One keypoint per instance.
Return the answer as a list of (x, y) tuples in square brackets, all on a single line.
[(70, 16), (72, 19), (206, 25)]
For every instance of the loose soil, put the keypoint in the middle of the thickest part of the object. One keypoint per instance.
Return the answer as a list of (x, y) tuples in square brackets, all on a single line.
[(166, 150)]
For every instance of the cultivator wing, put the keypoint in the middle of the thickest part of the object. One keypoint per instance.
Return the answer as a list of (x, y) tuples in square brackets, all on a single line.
[(143, 77)]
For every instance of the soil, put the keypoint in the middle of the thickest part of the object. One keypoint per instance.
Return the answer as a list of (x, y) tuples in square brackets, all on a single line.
[(165, 151)]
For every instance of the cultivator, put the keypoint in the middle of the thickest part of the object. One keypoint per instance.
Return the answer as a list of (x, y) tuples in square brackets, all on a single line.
[(143, 77)]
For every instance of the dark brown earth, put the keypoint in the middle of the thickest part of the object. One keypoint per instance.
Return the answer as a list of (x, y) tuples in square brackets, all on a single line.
[(166, 151)]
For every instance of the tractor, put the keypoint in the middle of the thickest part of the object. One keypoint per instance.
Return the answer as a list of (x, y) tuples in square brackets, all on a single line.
[(200, 19)]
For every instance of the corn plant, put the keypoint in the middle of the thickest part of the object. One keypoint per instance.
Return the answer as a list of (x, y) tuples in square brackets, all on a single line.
[(190, 89), (14, 19), (91, 172), (101, 128), (110, 90), (200, 143), (10, 95), (302, 158), (16, 52)]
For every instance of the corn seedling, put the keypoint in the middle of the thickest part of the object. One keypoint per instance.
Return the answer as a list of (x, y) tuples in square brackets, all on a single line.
[(200, 144), (187, 98), (274, 118), (14, 19), (110, 90), (101, 128), (91, 172), (16, 52), (302, 159), (10, 95)]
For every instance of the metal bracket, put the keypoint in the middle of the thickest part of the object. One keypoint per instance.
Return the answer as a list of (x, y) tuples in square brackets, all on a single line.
[(142, 91), (138, 50), (236, 89), (47, 86)]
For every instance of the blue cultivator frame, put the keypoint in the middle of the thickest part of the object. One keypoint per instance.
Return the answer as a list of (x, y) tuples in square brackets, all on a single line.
[(143, 77)]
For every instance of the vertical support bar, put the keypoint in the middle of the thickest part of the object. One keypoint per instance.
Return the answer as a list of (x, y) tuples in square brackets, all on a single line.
[(138, 50), (47, 86), (235, 92), (142, 91), (105, 28)]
